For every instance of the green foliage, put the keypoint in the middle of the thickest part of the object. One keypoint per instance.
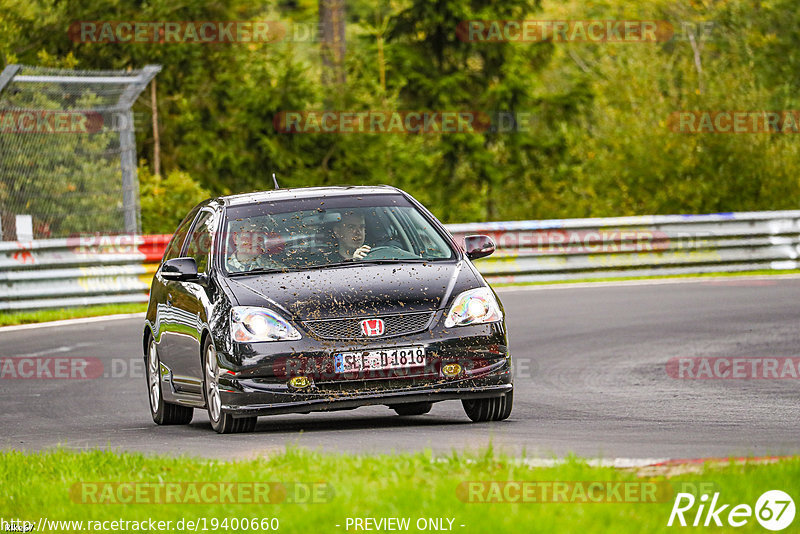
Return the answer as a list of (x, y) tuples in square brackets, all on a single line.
[(58, 314), (623, 159), (69, 182), (598, 142), (166, 200)]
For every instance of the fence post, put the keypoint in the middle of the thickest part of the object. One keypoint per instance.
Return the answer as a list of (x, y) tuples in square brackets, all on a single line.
[(7, 74), (127, 145)]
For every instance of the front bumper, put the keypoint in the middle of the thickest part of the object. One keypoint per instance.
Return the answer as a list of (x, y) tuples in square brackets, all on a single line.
[(258, 382)]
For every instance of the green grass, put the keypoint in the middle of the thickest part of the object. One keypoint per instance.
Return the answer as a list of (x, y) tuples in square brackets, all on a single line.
[(400, 485), (40, 316), (600, 278)]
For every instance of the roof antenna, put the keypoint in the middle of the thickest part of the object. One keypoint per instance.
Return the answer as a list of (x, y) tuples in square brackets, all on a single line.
[(275, 181)]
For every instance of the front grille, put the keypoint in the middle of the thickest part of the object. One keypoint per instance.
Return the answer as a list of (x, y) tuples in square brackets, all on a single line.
[(394, 325)]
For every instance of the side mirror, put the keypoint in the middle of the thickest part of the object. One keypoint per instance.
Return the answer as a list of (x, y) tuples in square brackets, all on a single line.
[(179, 269), (478, 246)]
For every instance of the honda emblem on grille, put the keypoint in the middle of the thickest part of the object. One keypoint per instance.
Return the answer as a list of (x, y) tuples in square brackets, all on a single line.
[(372, 327)]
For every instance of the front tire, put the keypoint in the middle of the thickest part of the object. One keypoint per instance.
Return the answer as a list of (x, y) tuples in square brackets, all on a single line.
[(223, 423), (491, 409), (163, 413)]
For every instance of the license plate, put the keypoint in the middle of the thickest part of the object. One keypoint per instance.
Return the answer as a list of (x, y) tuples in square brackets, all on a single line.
[(370, 360)]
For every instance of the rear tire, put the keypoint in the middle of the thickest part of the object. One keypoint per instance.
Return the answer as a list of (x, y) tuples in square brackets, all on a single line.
[(412, 408), (223, 423), (163, 413), (491, 409)]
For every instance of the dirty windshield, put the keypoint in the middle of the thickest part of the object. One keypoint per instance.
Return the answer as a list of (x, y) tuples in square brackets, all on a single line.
[(317, 233)]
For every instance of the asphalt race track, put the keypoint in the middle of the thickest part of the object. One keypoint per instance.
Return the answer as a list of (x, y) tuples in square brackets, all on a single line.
[(591, 379)]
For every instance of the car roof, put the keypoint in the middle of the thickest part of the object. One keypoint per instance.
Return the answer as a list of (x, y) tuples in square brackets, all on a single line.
[(305, 192)]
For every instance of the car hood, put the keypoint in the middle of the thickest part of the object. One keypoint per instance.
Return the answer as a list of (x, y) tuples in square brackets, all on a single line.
[(358, 290)]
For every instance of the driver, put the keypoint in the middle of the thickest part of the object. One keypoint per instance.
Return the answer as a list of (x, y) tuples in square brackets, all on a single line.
[(349, 232)]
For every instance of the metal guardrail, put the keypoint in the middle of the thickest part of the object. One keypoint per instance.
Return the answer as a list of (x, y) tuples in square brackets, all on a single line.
[(79, 271), (108, 269), (532, 251)]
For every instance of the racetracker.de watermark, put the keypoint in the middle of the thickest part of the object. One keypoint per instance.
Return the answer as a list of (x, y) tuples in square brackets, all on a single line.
[(169, 32), (574, 491), (193, 32), (69, 368), (409, 121), (46, 121), (206, 492), (733, 368), (735, 122), (543, 241), (50, 122), (562, 31), (588, 241), (377, 121)]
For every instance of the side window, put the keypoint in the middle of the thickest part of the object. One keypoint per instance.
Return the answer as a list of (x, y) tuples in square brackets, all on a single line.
[(175, 244), (200, 241), (431, 243)]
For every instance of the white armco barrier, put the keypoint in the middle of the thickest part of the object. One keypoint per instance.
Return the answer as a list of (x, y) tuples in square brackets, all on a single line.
[(563, 249), (109, 269), (78, 271)]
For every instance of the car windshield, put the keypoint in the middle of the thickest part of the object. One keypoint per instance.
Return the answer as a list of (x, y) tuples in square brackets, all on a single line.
[(328, 232)]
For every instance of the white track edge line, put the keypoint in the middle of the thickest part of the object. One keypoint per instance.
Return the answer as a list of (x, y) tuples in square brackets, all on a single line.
[(67, 322), (647, 282)]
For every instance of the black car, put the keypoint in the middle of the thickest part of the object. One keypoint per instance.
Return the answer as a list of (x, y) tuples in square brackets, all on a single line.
[(300, 300)]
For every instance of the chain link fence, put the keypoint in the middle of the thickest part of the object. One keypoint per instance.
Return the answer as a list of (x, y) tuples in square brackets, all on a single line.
[(67, 152)]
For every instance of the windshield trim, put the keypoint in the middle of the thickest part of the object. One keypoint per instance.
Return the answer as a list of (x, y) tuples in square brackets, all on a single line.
[(456, 253), (337, 265)]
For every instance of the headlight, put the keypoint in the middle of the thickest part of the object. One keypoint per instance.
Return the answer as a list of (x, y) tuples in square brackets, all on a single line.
[(250, 324), (475, 306)]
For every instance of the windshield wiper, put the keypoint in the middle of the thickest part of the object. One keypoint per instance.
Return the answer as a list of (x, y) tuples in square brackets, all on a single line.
[(393, 260), (346, 263), (256, 271), (293, 269)]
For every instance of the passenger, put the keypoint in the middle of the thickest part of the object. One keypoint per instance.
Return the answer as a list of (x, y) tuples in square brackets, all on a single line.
[(250, 253)]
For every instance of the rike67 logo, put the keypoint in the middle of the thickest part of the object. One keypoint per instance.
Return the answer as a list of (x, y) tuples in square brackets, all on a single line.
[(774, 510)]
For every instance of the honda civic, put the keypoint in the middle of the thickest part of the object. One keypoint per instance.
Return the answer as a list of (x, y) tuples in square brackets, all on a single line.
[(321, 299)]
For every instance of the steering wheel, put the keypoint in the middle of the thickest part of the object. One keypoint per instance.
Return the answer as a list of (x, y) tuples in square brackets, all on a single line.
[(390, 252), (380, 248)]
